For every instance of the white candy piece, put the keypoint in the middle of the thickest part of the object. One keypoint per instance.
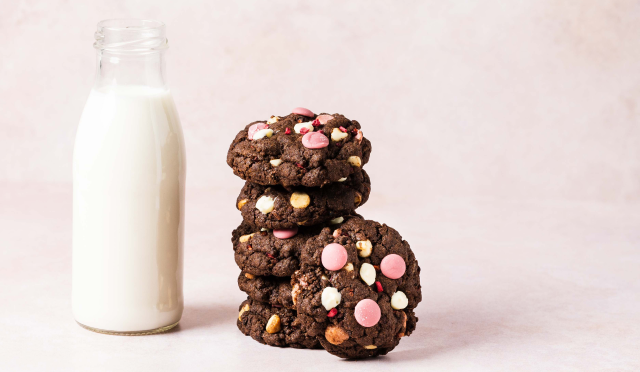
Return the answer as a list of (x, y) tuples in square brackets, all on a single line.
[(330, 298), (364, 248), (399, 300), (336, 220), (275, 162), (263, 133), (265, 204), (353, 160), (342, 179), (297, 127), (368, 273), (338, 135), (273, 119)]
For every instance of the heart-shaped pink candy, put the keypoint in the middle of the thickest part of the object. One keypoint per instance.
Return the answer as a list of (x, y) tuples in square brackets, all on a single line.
[(315, 140), (256, 127)]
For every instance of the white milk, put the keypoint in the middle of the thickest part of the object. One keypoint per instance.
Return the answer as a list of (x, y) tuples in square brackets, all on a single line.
[(128, 210)]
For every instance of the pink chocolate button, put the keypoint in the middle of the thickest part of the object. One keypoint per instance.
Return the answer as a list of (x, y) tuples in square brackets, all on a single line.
[(256, 127), (367, 313), (303, 111), (334, 257), (393, 266), (324, 118), (315, 140), (285, 233)]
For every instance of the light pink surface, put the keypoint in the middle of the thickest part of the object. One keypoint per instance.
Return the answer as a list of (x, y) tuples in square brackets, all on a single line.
[(367, 313), (334, 257), (506, 150), (393, 266), (285, 233)]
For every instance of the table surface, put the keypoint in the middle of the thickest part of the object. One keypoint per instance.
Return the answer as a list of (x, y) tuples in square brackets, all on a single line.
[(508, 285)]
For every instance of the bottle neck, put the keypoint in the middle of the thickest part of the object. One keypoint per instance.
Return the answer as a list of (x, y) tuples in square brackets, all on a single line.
[(130, 52), (130, 69)]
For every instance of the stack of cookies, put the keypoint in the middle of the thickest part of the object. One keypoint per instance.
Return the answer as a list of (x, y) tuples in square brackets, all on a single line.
[(317, 275)]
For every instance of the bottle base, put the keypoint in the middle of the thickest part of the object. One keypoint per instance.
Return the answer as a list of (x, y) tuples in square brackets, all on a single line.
[(134, 333)]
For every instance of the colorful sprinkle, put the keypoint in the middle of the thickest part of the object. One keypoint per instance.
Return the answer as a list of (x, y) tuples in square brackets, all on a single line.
[(378, 287), (333, 312), (287, 131)]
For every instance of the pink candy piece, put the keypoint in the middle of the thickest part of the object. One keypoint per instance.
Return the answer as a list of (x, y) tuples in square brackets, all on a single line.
[(315, 140), (334, 257), (393, 266), (324, 118), (285, 233), (256, 127), (367, 313), (303, 111)]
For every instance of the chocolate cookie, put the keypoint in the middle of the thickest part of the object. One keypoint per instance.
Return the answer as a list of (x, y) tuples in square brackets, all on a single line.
[(274, 326), (269, 289), (275, 207), (300, 149), (363, 281), (270, 252)]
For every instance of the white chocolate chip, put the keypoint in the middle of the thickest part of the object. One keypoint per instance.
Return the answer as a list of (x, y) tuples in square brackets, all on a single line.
[(336, 220), (353, 160), (298, 127), (336, 233), (342, 179), (300, 200), (348, 266), (368, 273), (338, 135), (244, 309), (399, 300), (263, 133), (330, 298), (275, 162), (273, 325), (265, 204), (371, 347), (357, 199), (249, 276), (364, 248), (324, 277), (245, 238), (241, 203), (263, 229), (335, 335), (273, 119)]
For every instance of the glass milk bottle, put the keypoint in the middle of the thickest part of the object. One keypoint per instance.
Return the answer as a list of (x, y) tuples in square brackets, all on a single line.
[(129, 172)]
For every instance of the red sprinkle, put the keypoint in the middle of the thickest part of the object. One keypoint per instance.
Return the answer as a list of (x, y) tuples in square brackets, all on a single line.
[(339, 144), (300, 165), (316, 123), (379, 286), (304, 130), (333, 312), (355, 131), (287, 131), (343, 129), (270, 256)]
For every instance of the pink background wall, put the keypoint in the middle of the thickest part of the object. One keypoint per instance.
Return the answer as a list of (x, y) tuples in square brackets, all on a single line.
[(467, 99)]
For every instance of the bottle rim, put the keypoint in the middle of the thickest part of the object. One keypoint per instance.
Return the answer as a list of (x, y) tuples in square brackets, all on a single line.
[(123, 35)]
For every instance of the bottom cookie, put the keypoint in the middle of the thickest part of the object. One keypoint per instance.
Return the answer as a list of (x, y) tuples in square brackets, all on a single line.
[(274, 326)]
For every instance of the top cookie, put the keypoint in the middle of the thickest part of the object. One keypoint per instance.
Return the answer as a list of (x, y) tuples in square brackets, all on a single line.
[(300, 149)]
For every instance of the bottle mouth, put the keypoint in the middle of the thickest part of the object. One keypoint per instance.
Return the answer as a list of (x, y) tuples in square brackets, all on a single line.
[(130, 36)]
